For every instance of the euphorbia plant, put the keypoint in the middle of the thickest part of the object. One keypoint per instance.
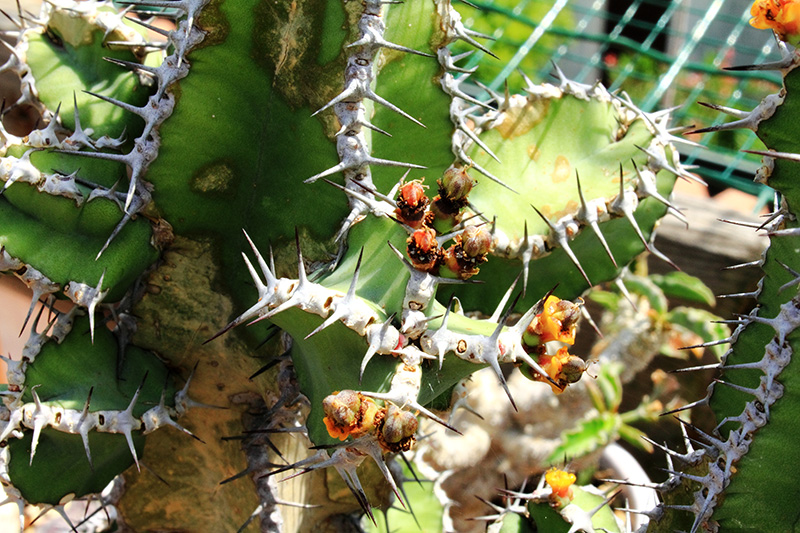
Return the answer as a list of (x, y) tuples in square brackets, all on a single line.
[(380, 198)]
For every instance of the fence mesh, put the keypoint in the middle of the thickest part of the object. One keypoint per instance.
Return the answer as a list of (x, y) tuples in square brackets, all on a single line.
[(662, 53)]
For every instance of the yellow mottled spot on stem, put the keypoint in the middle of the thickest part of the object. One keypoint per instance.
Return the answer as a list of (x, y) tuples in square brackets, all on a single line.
[(287, 40), (520, 120), (214, 178), (561, 170)]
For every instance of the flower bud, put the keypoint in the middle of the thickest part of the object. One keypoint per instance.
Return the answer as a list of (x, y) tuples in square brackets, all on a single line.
[(348, 413), (455, 184), (572, 369), (476, 241), (561, 484), (398, 430)]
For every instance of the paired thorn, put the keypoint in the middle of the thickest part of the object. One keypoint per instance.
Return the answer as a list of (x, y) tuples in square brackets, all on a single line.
[(560, 233), (345, 304), (626, 203), (357, 161), (698, 403), (84, 431), (503, 301), (374, 345), (129, 415), (786, 60), (589, 216), (358, 89), (467, 36)]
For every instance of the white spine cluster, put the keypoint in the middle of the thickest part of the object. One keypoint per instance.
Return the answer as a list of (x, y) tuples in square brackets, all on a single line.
[(39, 414), (35, 416), (53, 136), (722, 456), (725, 454), (349, 106)]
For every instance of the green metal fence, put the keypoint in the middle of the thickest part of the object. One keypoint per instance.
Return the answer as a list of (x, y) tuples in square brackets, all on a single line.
[(663, 53)]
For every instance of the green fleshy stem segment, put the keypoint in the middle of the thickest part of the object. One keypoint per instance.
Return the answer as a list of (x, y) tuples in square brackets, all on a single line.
[(763, 492), (411, 82), (245, 165), (60, 467), (542, 147), (331, 360), (383, 280), (542, 151), (65, 256), (95, 219), (764, 486), (66, 372), (385, 285), (242, 166), (70, 61)]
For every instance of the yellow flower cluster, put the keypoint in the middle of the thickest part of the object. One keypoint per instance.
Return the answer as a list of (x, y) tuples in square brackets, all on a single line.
[(561, 483)]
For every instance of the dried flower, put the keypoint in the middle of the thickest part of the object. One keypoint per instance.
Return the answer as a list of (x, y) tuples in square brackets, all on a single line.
[(557, 322), (781, 16)]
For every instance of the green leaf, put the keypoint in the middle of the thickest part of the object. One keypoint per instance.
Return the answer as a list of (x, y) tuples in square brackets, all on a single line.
[(607, 299), (588, 436), (647, 288), (682, 285), (633, 436), (610, 385)]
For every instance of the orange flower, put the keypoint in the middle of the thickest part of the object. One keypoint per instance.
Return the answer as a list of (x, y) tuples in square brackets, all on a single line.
[(557, 322), (560, 483), (781, 16), (562, 368), (552, 364), (334, 431), (349, 413)]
